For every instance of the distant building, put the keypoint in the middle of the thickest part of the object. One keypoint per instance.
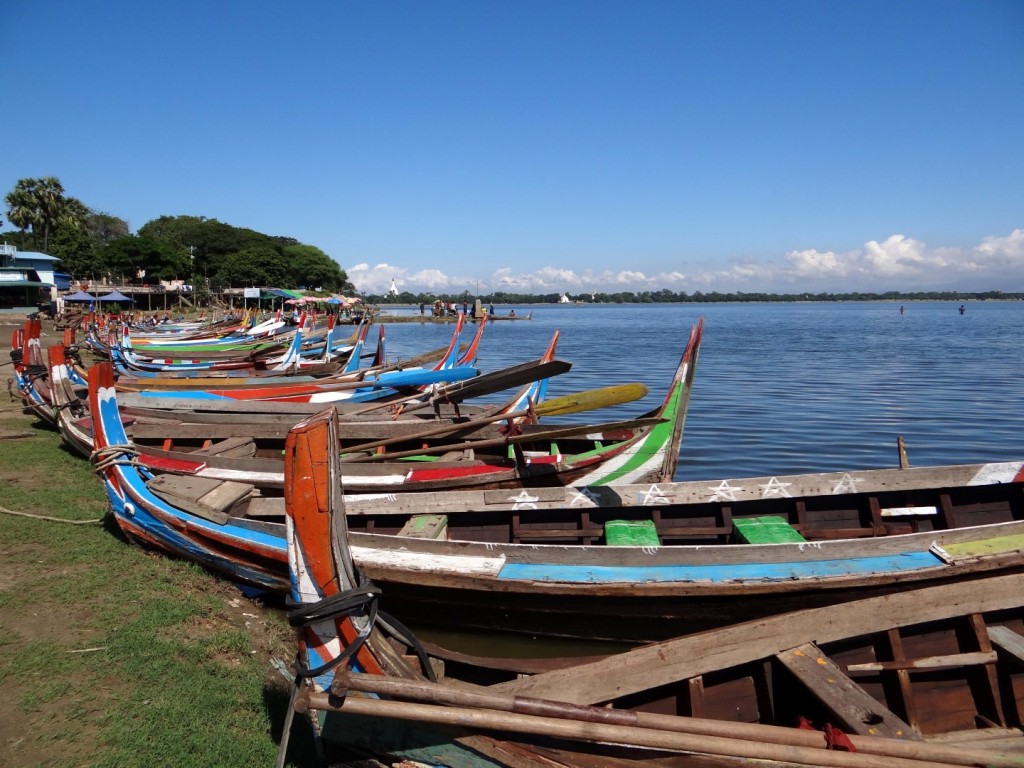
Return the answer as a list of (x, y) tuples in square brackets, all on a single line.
[(393, 290), (565, 300), (27, 280)]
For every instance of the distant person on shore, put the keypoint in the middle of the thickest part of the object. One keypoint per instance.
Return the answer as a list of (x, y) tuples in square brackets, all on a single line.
[(490, 310), (511, 313)]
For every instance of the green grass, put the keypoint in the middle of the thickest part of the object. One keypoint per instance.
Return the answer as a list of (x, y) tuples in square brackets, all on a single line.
[(111, 655)]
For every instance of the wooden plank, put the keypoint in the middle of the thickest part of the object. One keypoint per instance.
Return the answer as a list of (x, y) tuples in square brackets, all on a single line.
[(969, 550), (856, 711), (205, 497), (1007, 640), (985, 682), (183, 431), (696, 694), (265, 507), (876, 515), (680, 659), (232, 447), (226, 495), (182, 487), (946, 661), (530, 495), (903, 687), (910, 511)]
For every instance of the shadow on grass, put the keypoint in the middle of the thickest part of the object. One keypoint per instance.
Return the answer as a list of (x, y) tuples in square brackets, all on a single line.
[(302, 748)]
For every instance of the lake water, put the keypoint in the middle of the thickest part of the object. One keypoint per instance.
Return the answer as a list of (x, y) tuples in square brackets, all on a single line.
[(790, 388)]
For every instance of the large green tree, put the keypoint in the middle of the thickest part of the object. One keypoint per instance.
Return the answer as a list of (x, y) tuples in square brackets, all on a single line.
[(80, 236), (312, 268), (253, 267), (135, 257)]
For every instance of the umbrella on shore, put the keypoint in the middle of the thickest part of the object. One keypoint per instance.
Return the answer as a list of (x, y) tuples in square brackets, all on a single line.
[(80, 296)]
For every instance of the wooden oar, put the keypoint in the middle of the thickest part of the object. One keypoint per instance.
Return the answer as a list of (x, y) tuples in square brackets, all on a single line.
[(556, 406), (591, 399)]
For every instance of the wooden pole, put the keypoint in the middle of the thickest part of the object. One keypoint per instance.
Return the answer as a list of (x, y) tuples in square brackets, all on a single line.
[(644, 738), (478, 698)]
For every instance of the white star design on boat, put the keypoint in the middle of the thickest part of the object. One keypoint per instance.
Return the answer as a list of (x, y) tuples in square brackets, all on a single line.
[(847, 484), (654, 495), (584, 496), (524, 501), (775, 488), (724, 492)]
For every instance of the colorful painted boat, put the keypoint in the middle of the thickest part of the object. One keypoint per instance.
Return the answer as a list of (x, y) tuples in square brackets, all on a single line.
[(637, 562), (243, 440), (645, 448), (356, 386), (924, 676)]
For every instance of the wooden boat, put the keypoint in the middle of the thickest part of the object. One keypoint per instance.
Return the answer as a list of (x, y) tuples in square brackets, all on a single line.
[(207, 515), (325, 352), (30, 371), (357, 386), (638, 562), (533, 455), (924, 676), (492, 317), (238, 439)]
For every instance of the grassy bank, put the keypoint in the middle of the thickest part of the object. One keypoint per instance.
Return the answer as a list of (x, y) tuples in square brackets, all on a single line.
[(114, 656)]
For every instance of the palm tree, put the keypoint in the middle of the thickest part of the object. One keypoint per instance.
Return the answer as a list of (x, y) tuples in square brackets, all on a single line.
[(21, 210), (37, 204)]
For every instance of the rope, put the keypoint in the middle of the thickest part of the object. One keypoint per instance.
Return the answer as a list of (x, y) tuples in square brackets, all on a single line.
[(358, 602), (405, 635), (113, 455), (51, 519)]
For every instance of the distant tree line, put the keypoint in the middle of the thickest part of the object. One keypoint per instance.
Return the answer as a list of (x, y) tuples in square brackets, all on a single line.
[(199, 251), (212, 255), (698, 297)]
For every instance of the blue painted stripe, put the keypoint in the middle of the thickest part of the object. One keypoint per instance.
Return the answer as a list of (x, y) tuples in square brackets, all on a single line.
[(189, 394), (759, 572)]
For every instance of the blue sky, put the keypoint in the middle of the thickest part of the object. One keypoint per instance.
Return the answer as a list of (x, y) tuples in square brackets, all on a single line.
[(548, 146)]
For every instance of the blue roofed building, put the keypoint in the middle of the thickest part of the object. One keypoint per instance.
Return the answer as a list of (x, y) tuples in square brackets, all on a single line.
[(28, 280)]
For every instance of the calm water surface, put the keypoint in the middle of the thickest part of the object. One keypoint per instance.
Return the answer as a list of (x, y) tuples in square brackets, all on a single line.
[(790, 388)]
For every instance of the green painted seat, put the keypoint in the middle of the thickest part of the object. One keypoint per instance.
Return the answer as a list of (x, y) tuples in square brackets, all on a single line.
[(766, 530), (631, 533)]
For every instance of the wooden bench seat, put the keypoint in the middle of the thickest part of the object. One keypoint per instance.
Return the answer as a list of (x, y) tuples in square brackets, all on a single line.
[(201, 496)]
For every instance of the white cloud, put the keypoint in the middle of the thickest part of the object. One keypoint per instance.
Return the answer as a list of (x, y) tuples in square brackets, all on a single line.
[(812, 263), (1007, 250), (897, 262), (375, 279)]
